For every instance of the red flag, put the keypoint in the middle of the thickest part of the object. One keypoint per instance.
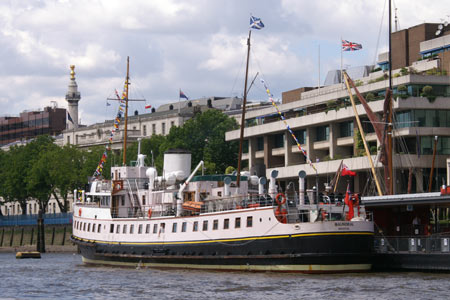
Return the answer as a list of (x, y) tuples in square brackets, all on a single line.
[(148, 106), (347, 172), (349, 203)]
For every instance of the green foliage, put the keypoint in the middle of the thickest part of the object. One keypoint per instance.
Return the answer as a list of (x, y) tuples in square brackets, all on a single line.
[(370, 97), (396, 75), (359, 144), (230, 170), (358, 82), (402, 91), (404, 71), (375, 70), (427, 91)]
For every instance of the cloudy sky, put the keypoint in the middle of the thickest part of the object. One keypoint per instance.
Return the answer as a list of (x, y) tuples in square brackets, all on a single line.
[(196, 45)]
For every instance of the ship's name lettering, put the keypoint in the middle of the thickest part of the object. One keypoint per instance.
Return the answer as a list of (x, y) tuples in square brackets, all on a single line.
[(343, 223)]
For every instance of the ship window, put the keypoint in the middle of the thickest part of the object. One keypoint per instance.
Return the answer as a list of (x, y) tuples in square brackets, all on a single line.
[(93, 227), (183, 227), (237, 223), (111, 228), (84, 226), (122, 200), (147, 228), (140, 229), (205, 225), (131, 229), (195, 226), (155, 228), (215, 224), (118, 229), (143, 199), (226, 223), (249, 221), (89, 227), (163, 227), (174, 227), (99, 228), (124, 228), (76, 224)]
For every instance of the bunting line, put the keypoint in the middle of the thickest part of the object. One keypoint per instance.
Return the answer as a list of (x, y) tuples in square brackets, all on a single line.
[(287, 126), (115, 129)]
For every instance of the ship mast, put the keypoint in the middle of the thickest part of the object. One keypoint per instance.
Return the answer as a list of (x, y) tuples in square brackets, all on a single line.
[(126, 113), (241, 138), (390, 187)]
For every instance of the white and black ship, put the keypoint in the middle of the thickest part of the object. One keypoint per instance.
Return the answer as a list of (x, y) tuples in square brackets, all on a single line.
[(179, 220)]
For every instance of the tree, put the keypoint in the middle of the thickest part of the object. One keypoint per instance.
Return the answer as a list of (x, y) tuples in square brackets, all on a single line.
[(39, 183)]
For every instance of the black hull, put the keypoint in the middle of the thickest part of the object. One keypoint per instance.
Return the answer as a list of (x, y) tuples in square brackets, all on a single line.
[(307, 254), (412, 262)]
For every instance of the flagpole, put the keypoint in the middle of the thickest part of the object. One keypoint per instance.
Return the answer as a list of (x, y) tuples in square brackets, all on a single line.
[(241, 138), (126, 113), (342, 81), (179, 101), (318, 83)]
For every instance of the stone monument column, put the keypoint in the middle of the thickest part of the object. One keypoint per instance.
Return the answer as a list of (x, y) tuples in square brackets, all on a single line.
[(72, 98)]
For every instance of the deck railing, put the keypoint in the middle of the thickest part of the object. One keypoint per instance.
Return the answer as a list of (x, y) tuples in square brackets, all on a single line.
[(412, 244)]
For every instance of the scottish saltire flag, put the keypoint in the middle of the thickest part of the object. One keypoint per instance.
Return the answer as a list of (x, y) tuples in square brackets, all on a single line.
[(256, 23), (182, 95), (349, 46)]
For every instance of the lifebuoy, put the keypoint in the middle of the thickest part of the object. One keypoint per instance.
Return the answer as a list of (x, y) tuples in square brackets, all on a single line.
[(277, 198), (79, 212), (280, 214), (149, 213)]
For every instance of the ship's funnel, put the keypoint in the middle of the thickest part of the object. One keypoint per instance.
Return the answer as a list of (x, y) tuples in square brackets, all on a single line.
[(177, 161), (272, 185), (262, 182), (301, 185), (227, 183)]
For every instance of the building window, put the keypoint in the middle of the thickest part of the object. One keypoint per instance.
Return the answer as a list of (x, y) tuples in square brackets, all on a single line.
[(143, 199), (144, 130), (124, 229), (322, 133), (260, 143), (163, 128), (155, 228), (237, 223), (183, 227), (122, 198), (68, 139), (215, 224), (131, 229), (301, 137), (111, 228), (118, 228), (153, 128), (140, 229), (195, 226), (346, 129), (147, 228), (249, 221), (278, 140), (226, 223), (172, 123)]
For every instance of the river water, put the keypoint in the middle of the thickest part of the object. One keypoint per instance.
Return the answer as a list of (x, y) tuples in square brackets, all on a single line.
[(63, 276)]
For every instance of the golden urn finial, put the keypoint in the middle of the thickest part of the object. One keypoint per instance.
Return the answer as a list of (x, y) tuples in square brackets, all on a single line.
[(72, 72)]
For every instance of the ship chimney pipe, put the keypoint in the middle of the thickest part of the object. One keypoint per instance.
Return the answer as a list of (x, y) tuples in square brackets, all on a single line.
[(261, 183), (301, 185), (227, 183), (272, 186)]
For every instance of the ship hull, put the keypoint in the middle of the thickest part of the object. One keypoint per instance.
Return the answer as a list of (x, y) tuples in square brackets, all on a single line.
[(306, 253)]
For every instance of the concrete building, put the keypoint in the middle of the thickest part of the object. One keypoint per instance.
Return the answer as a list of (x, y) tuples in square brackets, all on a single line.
[(323, 121), (158, 122)]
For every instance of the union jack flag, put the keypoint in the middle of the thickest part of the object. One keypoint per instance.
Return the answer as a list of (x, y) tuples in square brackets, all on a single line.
[(349, 46)]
